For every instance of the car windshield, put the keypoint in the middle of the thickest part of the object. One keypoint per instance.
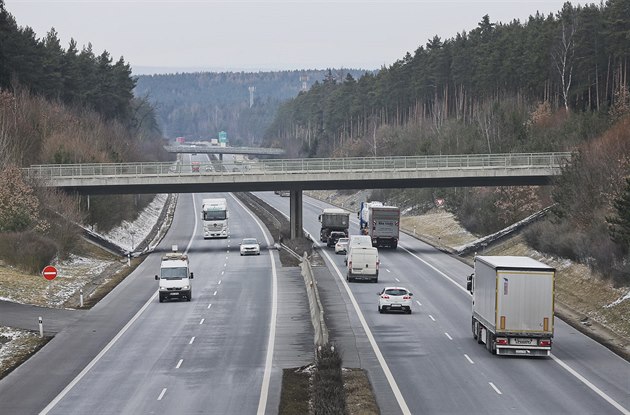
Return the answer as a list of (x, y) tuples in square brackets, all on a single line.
[(174, 273), (395, 291), (250, 241), (343, 240)]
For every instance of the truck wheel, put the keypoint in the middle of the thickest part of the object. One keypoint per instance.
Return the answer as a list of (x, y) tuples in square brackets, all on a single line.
[(160, 298), (490, 342), (380, 310), (474, 329), (376, 280), (395, 245)]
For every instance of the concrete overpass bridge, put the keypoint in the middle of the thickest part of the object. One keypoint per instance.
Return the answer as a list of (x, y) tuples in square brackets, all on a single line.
[(206, 149), (296, 175)]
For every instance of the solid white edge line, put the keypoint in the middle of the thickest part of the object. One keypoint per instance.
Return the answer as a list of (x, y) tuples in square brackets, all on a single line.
[(179, 364), (264, 388), (435, 269), (495, 388), (161, 394), (469, 359), (607, 398), (98, 357), (381, 359), (591, 386)]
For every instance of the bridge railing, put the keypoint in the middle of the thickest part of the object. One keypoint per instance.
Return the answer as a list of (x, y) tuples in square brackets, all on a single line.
[(316, 165)]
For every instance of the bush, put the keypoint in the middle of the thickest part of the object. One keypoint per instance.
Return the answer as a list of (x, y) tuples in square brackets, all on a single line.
[(27, 250), (328, 393)]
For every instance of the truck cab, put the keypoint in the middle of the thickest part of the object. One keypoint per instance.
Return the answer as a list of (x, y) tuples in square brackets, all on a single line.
[(175, 279)]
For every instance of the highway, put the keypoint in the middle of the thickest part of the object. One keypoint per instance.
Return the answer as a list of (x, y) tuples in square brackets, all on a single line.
[(430, 363), (223, 352)]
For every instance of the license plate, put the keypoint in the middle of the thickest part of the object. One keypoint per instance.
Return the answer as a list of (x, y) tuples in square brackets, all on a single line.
[(174, 293), (523, 342), (396, 306)]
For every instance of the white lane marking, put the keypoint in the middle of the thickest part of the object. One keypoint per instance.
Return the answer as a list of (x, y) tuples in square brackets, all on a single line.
[(419, 303), (209, 305), (98, 357), (264, 389), (215, 293), (179, 364), (202, 320), (495, 388), (449, 337), (192, 238), (397, 279), (377, 351), (223, 272), (225, 265), (469, 359), (591, 386), (219, 282), (111, 343), (614, 403), (387, 270), (162, 394), (192, 339), (435, 269), (431, 317)]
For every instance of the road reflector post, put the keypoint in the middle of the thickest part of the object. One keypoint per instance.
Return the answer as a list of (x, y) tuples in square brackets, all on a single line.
[(41, 327), (81, 297)]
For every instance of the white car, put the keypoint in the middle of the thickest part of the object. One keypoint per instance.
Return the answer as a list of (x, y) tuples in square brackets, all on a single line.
[(394, 299), (341, 246), (249, 246)]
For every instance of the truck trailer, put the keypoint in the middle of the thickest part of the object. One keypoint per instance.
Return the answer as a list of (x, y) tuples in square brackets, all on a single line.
[(381, 223), (512, 305), (214, 214), (333, 219)]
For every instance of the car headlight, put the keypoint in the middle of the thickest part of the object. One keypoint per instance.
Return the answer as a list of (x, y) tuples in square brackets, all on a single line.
[(186, 287)]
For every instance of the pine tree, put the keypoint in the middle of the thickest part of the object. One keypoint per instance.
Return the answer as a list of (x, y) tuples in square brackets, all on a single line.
[(620, 224)]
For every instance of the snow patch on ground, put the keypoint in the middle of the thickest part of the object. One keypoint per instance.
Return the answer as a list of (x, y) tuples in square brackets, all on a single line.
[(129, 234), (619, 300)]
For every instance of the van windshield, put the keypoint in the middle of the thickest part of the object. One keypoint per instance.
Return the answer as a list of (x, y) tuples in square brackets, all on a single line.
[(174, 273)]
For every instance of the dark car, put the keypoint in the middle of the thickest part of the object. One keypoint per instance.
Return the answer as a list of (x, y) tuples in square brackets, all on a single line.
[(334, 237)]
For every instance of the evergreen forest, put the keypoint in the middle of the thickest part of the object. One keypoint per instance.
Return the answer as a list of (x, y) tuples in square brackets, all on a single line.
[(199, 105)]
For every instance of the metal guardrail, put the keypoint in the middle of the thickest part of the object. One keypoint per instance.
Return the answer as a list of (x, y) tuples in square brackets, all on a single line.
[(314, 165)]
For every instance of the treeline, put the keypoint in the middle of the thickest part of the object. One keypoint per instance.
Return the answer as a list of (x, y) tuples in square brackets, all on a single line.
[(63, 106), (576, 60), (199, 105)]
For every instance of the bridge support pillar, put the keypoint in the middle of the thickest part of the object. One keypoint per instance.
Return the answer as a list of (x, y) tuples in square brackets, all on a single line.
[(295, 208)]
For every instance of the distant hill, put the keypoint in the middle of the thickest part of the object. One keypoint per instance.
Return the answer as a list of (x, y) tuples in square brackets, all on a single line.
[(199, 105)]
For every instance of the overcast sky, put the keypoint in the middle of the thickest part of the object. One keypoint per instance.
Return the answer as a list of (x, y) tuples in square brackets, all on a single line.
[(156, 36)]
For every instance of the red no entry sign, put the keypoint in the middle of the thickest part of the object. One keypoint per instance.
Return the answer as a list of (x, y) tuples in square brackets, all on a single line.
[(49, 272)]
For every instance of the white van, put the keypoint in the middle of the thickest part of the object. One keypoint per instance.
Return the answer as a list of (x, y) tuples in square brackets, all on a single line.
[(363, 264), (357, 241)]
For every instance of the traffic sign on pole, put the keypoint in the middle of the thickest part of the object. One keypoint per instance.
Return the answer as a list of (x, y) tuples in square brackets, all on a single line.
[(49, 272)]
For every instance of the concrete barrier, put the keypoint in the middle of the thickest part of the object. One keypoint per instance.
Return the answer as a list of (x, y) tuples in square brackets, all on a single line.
[(315, 304)]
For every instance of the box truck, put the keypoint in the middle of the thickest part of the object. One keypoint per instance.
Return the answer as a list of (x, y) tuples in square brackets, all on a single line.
[(214, 214), (381, 223), (512, 305)]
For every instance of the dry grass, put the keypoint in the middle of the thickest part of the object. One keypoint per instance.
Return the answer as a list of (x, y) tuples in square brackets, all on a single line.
[(16, 346), (438, 227), (359, 395)]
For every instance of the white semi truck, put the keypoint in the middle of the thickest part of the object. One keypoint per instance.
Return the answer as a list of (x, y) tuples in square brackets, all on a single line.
[(381, 223), (214, 213), (512, 305), (175, 279)]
